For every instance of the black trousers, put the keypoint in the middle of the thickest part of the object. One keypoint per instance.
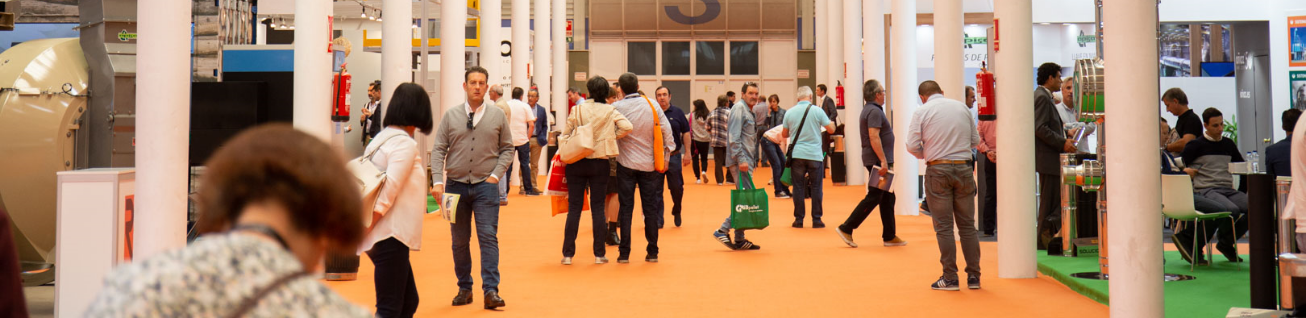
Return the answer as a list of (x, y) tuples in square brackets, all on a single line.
[(1049, 207), (989, 195), (719, 155), (396, 292), (592, 175), (699, 157), (650, 185), (874, 197)]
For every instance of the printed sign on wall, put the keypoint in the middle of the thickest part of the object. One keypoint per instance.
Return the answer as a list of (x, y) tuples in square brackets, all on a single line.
[(1297, 41)]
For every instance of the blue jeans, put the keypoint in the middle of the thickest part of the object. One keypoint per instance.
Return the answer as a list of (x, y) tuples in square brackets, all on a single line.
[(675, 183), (524, 160), (480, 199), (807, 176), (775, 157), (650, 196), (725, 226), (504, 181)]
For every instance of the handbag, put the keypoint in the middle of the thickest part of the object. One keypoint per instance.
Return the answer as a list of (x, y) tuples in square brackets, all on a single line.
[(369, 180), (556, 184), (748, 207), (787, 176), (581, 142), (659, 159)]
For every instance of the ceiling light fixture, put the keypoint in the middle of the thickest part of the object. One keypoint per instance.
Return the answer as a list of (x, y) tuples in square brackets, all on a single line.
[(363, 14)]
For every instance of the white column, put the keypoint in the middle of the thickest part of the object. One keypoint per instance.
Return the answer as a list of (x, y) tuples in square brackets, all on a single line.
[(904, 100), (947, 48), (822, 72), (521, 43), (453, 42), (873, 45), (834, 23), (559, 65), (312, 68), (1134, 190), (542, 69), (396, 47), (852, 14), (163, 119), (1016, 115), (491, 24)]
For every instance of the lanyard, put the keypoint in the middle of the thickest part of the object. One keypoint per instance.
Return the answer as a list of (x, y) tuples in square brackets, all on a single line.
[(265, 230)]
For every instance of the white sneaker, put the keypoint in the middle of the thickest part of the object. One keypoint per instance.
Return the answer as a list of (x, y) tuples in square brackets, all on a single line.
[(769, 181), (601, 260), (566, 261)]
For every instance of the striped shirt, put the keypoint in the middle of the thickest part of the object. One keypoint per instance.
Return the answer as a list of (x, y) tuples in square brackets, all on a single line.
[(718, 122)]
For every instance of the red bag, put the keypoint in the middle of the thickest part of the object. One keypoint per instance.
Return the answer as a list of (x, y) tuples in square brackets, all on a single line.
[(560, 204), (556, 185)]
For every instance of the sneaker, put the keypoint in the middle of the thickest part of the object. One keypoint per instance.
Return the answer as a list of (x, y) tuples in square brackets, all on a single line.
[(798, 224), (896, 241), (945, 284), (651, 259), (847, 237), (747, 245), (817, 224), (698, 181), (769, 182), (1230, 252), (730, 182), (972, 282), (503, 203), (566, 261), (600, 260), (783, 196), (533, 194), (724, 238), (623, 259)]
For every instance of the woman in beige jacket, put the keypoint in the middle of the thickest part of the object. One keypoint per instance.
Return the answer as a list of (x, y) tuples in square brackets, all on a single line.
[(592, 172)]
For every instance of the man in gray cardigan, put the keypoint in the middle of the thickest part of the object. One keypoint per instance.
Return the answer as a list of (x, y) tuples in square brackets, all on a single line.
[(474, 151)]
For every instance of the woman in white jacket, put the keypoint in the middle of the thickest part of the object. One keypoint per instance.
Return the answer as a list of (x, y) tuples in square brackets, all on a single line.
[(1295, 208), (397, 216)]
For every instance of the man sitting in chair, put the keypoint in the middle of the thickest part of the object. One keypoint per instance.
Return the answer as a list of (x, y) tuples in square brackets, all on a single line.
[(1207, 160), (1183, 239)]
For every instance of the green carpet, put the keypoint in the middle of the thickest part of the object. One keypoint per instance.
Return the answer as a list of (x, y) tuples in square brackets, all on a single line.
[(1217, 288)]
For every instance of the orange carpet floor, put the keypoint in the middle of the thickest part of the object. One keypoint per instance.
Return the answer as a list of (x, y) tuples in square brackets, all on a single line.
[(798, 272)]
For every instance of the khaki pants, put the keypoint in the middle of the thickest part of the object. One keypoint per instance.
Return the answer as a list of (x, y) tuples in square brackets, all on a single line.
[(535, 161)]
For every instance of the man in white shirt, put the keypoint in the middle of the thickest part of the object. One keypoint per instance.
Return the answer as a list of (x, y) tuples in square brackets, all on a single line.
[(1067, 106), (522, 123), (943, 134)]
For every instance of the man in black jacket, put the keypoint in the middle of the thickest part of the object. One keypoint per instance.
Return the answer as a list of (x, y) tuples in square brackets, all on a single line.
[(1277, 155), (371, 119), (832, 111), (1049, 142)]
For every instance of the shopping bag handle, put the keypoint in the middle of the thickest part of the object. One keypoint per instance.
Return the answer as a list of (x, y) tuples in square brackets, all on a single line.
[(745, 176)]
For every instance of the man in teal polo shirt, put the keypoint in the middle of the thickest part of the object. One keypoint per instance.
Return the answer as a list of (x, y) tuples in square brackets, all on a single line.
[(806, 122)]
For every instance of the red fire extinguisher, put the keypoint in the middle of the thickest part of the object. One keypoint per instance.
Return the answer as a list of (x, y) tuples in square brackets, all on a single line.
[(838, 94), (987, 96), (340, 85)]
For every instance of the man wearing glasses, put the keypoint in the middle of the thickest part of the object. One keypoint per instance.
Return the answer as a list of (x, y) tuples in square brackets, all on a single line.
[(474, 145)]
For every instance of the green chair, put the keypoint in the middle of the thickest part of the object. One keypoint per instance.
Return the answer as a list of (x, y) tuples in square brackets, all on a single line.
[(1177, 203)]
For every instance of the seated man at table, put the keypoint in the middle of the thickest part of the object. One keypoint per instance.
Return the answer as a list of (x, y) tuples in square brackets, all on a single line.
[(1183, 239), (1207, 160)]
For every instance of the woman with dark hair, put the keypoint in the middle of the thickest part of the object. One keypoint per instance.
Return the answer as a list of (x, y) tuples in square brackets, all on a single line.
[(401, 205), (591, 173), (700, 148), (272, 201)]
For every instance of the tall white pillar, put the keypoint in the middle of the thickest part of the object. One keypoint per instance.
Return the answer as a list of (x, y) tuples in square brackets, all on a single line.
[(543, 69), (453, 62), (904, 100), (852, 36), (559, 65), (312, 68), (835, 24), (947, 48), (1015, 59), (822, 73), (873, 43), (521, 43), (1133, 188), (396, 48), (491, 24), (163, 119)]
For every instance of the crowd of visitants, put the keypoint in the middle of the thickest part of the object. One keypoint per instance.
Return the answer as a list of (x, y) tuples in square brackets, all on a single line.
[(275, 200)]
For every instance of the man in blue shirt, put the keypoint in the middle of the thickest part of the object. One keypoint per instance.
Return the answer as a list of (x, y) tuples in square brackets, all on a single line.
[(680, 131), (806, 159), (741, 158), (1277, 155), (540, 137)]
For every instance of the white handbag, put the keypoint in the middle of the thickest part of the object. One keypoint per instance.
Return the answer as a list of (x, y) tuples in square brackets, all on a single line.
[(580, 143), (369, 180)]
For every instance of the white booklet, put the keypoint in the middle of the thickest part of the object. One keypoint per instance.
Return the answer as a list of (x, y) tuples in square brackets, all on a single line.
[(449, 204), (883, 183)]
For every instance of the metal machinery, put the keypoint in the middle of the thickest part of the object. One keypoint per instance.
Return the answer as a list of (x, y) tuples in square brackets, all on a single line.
[(1090, 175)]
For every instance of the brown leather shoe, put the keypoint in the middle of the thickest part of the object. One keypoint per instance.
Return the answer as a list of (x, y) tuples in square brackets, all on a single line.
[(464, 297), (493, 301)]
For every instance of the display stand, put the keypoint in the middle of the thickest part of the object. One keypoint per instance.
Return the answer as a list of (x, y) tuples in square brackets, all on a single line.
[(93, 233)]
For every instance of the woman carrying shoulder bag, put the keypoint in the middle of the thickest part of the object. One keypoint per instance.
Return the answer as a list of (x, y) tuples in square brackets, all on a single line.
[(401, 204), (591, 172)]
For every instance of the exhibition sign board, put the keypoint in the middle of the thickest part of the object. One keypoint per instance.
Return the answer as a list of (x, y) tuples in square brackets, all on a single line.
[(1297, 82), (1297, 41)]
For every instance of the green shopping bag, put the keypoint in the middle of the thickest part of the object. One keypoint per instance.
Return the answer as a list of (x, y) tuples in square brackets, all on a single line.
[(787, 177), (748, 207)]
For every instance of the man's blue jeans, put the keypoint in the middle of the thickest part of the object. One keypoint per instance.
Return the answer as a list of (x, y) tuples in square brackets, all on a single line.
[(650, 195), (524, 161), (807, 176), (482, 200), (776, 158)]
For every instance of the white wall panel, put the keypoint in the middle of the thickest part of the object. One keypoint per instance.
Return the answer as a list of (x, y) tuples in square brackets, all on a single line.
[(779, 59), (607, 59)]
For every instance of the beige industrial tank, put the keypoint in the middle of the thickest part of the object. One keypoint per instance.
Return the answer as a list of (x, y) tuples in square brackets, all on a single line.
[(43, 87)]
